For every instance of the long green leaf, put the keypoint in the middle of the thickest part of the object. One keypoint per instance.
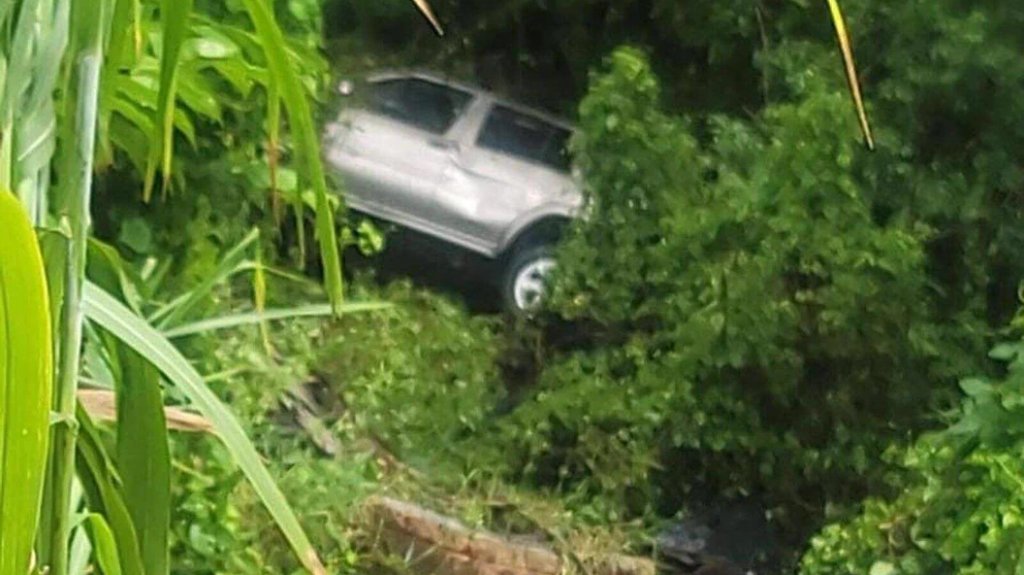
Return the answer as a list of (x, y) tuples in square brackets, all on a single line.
[(111, 315), (143, 455), (143, 458), (103, 495), (255, 317), (287, 81), (174, 16), (26, 383), (56, 248), (118, 55)]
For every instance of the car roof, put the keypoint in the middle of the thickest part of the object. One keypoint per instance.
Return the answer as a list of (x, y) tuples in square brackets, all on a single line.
[(441, 78)]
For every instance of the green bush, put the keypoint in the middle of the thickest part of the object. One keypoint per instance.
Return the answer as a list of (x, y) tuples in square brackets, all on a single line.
[(220, 185), (421, 376), (960, 508), (751, 326), (414, 379)]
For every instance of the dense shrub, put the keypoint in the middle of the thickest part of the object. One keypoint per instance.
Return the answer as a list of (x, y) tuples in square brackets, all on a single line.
[(412, 380), (420, 376), (960, 508), (752, 327), (220, 184)]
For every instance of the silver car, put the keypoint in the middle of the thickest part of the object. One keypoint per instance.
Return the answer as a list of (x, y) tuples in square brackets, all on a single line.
[(459, 164)]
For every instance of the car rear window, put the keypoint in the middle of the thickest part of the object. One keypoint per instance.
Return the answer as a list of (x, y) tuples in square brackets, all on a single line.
[(419, 103), (526, 137)]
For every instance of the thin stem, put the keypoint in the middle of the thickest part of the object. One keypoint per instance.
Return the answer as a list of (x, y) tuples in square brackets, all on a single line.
[(77, 214)]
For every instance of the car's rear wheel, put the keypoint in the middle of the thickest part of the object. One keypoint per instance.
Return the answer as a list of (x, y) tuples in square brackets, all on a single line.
[(524, 282)]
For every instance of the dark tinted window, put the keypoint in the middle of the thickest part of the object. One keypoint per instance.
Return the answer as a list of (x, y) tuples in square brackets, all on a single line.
[(526, 137), (426, 105)]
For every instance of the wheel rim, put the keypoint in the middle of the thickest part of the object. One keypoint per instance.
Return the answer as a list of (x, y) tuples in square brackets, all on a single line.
[(528, 286)]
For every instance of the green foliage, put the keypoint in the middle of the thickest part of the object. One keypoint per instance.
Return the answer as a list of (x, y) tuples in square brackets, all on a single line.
[(222, 136), (413, 378), (420, 376), (753, 327), (960, 503)]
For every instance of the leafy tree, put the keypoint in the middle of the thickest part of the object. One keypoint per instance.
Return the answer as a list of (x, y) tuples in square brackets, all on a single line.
[(752, 326)]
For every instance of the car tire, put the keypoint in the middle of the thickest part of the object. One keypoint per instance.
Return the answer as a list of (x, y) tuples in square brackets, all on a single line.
[(522, 283)]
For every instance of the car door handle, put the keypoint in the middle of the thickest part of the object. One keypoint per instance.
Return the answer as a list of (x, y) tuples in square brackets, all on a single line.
[(443, 144)]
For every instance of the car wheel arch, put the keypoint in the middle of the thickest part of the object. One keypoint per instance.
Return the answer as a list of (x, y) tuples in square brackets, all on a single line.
[(547, 229)]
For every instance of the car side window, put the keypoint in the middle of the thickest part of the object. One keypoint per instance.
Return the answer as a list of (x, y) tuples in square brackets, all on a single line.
[(526, 137), (419, 103)]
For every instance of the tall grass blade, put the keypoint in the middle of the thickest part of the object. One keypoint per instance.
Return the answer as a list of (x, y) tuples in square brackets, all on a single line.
[(174, 20), (103, 495), (177, 310), (143, 455), (851, 70), (56, 248), (26, 383), (274, 147), (111, 315), (118, 55), (306, 139), (257, 317), (259, 296)]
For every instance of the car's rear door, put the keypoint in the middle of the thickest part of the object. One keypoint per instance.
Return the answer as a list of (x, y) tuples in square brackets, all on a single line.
[(513, 164), (395, 149)]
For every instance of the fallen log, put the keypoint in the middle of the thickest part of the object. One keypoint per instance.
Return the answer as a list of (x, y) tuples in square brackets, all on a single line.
[(435, 544)]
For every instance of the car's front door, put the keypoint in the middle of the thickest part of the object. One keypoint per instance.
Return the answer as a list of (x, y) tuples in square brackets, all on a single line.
[(396, 149)]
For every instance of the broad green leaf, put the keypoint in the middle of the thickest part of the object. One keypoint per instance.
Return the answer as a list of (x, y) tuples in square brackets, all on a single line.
[(108, 313), (256, 317), (103, 495), (26, 383), (104, 544), (851, 70), (174, 15), (307, 141)]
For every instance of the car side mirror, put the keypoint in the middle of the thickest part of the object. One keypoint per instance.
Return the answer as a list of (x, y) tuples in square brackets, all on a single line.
[(346, 88)]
